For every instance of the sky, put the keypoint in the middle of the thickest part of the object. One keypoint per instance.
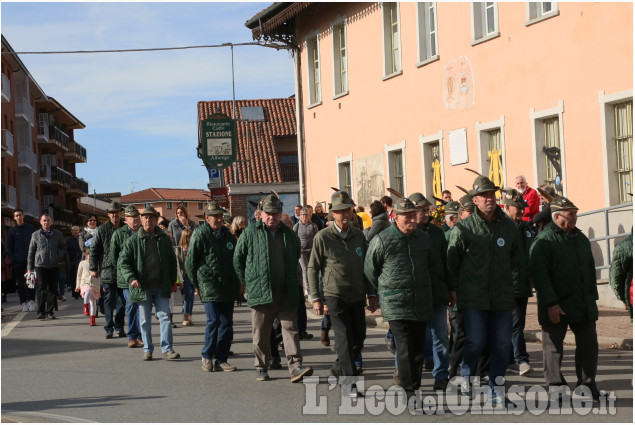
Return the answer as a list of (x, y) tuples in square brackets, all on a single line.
[(140, 109)]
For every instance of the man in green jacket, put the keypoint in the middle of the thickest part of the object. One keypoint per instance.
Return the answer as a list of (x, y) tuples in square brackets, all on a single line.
[(121, 235), (621, 276), (400, 263), (515, 208), (148, 264), (482, 253), (451, 216), (266, 262), (102, 266), (209, 264), (563, 272), (338, 255)]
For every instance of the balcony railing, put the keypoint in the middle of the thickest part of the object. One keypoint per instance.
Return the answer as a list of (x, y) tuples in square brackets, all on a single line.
[(26, 158), (57, 135), (24, 109), (45, 173), (61, 177), (76, 152), (7, 143), (6, 89), (289, 171), (79, 185), (64, 217), (29, 205), (9, 196), (51, 201)]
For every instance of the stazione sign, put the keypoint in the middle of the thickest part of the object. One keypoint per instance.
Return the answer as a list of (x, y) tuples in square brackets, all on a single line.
[(217, 141)]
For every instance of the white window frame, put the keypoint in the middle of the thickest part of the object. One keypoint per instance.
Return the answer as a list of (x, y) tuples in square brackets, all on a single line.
[(388, 39), (168, 205), (481, 137), (426, 158), (390, 149), (534, 12), (340, 22), (314, 96), (536, 118), (339, 162), (611, 194), (479, 15), (423, 33)]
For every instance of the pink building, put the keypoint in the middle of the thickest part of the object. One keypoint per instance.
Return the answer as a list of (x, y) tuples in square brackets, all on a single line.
[(407, 95)]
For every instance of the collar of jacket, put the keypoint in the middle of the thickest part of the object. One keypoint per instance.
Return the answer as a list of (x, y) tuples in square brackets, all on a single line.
[(498, 215), (395, 230), (142, 233)]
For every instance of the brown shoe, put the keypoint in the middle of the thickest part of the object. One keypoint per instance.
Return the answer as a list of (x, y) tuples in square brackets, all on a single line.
[(132, 343), (186, 320), (139, 342), (324, 339)]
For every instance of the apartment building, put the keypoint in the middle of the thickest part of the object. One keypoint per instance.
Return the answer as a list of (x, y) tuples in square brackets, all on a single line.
[(39, 150)]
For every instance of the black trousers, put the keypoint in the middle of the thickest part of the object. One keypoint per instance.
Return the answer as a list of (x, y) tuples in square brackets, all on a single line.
[(586, 352), (47, 286), (348, 322), (410, 336), (457, 339)]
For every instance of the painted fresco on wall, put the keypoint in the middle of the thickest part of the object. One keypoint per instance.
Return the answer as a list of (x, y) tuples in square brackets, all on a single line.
[(458, 84), (369, 179)]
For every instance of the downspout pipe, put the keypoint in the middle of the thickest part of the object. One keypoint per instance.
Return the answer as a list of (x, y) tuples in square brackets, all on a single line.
[(299, 119)]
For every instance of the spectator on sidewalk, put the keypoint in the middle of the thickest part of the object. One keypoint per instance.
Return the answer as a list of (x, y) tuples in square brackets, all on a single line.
[(563, 272), (621, 275), (75, 255), (180, 222), (148, 264), (446, 195), (530, 196), (386, 201), (380, 220), (46, 249), (88, 232), (266, 261), (18, 239)]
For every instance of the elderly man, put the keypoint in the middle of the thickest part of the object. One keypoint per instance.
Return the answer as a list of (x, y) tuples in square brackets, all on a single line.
[(400, 263), (563, 272), (121, 235), (18, 240), (266, 262), (530, 196), (481, 258), (515, 207), (102, 266), (451, 216), (209, 264), (46, 249), (148, 265), (338, 256)]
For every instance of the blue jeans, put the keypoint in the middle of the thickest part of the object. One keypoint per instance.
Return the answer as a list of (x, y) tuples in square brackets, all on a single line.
[(439, 342), (219, 331), (132, 311), (519, 351), (188, 295), (162, 305), (491, 328), (113, 308), (61, 283)]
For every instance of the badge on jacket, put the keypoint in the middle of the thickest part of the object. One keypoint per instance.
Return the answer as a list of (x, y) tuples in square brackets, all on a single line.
[(358, 250), (230, 246), (500, 242)]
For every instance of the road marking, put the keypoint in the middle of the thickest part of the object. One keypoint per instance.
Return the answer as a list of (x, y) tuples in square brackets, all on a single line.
[(7, 329), (21, 416)]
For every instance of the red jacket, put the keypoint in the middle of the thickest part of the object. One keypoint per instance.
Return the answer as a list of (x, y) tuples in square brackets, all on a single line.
[(531, 197)]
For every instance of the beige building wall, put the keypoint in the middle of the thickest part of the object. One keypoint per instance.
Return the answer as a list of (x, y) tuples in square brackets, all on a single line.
[(563, 66)]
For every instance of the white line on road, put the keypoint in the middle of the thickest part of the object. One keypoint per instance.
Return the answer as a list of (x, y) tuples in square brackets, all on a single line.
[(49, 417), (7, 329)]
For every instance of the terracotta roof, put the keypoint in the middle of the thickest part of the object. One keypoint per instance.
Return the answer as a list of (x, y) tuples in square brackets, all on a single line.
[(160, 194), (279, 122), (274, 19)]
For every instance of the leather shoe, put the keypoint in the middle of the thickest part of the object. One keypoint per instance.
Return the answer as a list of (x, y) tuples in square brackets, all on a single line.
[(304, 335), (300, 372), (108, 334)]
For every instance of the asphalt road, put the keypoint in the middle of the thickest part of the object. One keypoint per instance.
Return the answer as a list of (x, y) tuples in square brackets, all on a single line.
[(65, 371)]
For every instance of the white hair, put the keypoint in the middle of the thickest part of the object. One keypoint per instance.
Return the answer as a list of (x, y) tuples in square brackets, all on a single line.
[(74, 227), (521, 177), (449, 215), (553, 214)]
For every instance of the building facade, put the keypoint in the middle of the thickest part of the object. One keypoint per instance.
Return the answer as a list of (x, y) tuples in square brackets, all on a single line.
[(166, 201)]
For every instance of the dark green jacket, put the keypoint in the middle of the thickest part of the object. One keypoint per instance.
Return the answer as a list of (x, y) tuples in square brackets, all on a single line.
[(131, 263), (209, 264), (341, 264), (251, 262), (563, 272), (100, 260), (481, 258), (621, 275), (440, 289), (522, 282), (120, 236), (400, 267)]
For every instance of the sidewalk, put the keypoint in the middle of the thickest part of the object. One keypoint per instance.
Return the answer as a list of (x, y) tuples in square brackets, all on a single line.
[(614, 326)]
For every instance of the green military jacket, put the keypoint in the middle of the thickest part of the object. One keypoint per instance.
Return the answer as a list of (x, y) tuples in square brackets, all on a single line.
[(563, 272), (400, 266), (209, 264), (522, 281), (100, 260), (621, 275), (120, 236), (340, 262), (131, 263), (481, 258), (251, 263), (440, 289)]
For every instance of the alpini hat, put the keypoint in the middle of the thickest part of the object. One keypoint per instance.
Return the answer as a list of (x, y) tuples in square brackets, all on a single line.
[(465, 203), (514, 198), (150, 211), (404, 206), (271, 204), (114, 207), (560, 203), (452, 207), (483, 184), (419, 200), (340, 200), (213, 208), (131, 211)]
